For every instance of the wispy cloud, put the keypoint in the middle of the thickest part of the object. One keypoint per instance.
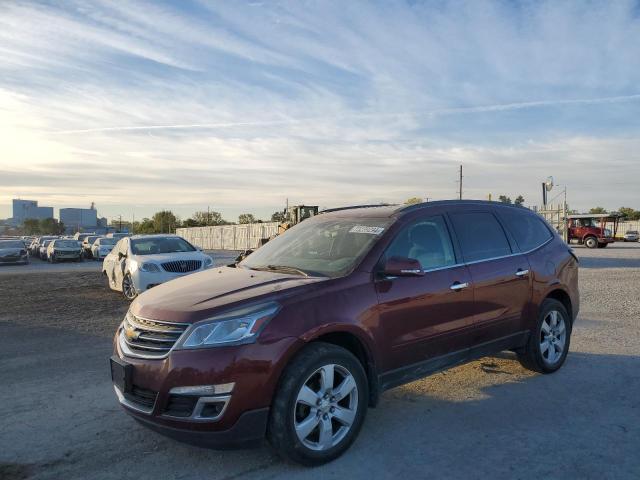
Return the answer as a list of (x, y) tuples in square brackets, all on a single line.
[(207, 101)]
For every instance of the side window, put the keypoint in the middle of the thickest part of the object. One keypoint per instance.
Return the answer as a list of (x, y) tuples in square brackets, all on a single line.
[(426, 240), (528, 230), (481, 236)]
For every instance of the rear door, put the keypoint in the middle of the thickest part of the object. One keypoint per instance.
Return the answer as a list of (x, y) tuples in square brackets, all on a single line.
[(500, 276), (425, 318)]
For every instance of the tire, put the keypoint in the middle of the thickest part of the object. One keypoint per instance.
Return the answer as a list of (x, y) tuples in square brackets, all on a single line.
[(591, 242), (301, 384), (128, 288), (534, 356)]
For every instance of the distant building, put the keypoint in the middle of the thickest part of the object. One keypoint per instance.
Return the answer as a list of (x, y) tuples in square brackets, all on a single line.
[(78, 219), (24, 209)]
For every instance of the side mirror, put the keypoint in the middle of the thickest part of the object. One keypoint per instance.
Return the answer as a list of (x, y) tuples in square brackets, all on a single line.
[(402, 267)]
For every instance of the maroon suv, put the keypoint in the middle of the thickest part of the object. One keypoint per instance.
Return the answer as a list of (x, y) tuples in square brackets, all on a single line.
[(296, 341)]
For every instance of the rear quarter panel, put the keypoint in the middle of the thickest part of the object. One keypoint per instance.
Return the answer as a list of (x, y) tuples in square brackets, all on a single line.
[(554, 268)]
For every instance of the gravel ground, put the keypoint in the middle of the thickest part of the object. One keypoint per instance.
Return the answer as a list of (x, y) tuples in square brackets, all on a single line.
[(487, 418)]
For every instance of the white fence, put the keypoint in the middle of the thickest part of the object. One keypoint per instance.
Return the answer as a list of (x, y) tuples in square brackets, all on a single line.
[(631, 225), (229, 237), (556, 216)]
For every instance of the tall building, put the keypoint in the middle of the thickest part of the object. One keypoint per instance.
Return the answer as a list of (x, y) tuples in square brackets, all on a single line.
[(79, 218), (24, 209)]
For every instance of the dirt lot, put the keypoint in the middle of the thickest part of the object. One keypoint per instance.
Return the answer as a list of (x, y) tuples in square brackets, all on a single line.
[(492, 418)]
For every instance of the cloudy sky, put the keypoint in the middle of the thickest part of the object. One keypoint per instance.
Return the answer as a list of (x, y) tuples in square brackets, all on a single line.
[(238, 105)]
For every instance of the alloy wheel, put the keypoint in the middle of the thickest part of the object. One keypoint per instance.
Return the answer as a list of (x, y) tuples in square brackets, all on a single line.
[(553, 337), (326, 407), (128, 289)]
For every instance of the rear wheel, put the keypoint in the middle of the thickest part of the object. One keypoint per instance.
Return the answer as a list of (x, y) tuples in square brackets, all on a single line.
[(319, 406), (591, 242), (548, 343), (128, 288)]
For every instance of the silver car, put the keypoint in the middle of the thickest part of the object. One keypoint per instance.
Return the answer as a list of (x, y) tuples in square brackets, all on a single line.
[(61, 249), (13, 251), (631, 236)]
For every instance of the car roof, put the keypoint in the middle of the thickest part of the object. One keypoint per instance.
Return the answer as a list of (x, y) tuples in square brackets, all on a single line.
[(155, 235), (388, 211)]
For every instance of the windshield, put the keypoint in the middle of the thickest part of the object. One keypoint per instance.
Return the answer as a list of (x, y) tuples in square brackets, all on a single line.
[(65, 243), (107, 241), (331, 247), (150, 246), (11, 244)]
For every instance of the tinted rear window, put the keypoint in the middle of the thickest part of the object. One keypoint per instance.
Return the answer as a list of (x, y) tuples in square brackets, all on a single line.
[(480, 235), (528, 230)]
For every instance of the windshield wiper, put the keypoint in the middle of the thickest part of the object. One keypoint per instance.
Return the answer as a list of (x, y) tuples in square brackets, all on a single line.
[(281, 268)]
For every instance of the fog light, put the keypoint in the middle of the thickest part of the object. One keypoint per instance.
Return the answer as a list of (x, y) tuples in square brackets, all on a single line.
[(203, 390)]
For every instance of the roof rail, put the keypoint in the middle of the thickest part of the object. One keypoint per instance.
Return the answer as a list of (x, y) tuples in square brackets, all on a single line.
[(351, 207)]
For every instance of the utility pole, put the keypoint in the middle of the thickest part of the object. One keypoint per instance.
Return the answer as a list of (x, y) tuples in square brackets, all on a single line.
[(460, 183), (120, 223), (208, 215)]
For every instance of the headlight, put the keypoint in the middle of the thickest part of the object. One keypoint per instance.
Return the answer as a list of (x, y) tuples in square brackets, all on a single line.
[(208, 262), (149, 267), (234, 327)]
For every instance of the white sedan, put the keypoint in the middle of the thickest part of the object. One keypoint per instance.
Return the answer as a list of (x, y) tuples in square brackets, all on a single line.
[(102, 246), (141, 262)]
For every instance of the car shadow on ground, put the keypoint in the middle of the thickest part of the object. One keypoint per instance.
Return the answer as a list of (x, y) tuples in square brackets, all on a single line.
[(489, 417)]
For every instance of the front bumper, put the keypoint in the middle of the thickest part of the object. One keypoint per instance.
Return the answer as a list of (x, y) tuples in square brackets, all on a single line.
[(15, 259), (253, 368), (249, 430), (606, 240)]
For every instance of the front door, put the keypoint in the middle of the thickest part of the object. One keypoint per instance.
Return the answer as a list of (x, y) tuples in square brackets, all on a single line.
[(428, 319)]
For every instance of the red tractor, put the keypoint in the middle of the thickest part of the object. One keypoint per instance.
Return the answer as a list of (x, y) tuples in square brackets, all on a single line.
[(591, 229)]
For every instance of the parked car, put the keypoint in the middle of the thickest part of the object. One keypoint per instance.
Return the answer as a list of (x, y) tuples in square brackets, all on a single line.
[(141, 262), (81, 236), (102, 246), (631, 236), (87, 243), (42, 251), (13, 251), (34, 248), (303, 335), (118, 235), (60, 250)]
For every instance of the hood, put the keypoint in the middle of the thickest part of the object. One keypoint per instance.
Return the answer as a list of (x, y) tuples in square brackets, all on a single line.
[(9, 252), (200, 295), (169, 257)]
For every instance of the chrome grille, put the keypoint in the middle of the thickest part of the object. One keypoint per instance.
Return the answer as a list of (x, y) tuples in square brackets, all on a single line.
[(141, 337), (182, 266)]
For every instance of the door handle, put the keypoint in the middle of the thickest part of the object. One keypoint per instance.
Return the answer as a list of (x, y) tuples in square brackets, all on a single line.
[(456, 286), (522, 273)]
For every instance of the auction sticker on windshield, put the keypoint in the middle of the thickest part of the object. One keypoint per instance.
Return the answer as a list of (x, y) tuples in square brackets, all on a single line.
[(366, 229)]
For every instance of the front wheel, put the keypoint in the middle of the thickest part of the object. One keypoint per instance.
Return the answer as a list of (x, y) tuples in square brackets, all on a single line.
[(128, 288), (319, 406), (548, 343), (591, 242)]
